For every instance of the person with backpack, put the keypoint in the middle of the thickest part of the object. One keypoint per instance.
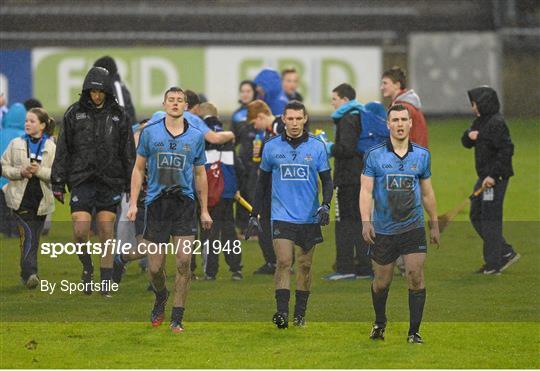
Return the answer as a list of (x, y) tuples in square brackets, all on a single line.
[(221, 172), (347, 171)]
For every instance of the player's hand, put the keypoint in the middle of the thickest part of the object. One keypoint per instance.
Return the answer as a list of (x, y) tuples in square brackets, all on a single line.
[(434, 233), (252, 225), (132, 213), (206, 220), (488, 182), (473, 135), (323, 214), (368, 232)]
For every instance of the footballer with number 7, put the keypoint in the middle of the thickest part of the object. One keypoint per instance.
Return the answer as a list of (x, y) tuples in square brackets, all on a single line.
[(396, 182), (290, 165)]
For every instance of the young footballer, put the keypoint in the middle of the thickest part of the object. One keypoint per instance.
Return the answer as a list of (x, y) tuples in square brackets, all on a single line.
[(396, 182), (173, 151), (290, 164)]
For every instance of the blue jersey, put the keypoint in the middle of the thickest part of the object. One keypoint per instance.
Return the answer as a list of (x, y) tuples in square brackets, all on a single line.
[(170, 159), (396, 186), (196, 122), (294, 171)]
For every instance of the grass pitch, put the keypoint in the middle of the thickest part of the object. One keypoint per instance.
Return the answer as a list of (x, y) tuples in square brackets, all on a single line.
[(470, 321)]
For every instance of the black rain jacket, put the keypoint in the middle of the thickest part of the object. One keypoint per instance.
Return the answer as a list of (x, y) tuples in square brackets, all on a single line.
[(94, 144), (493, 149)]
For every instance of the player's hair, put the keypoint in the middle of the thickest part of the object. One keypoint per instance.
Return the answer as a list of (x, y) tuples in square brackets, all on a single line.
[(295, 106), (256, 107), (173, 89), (397, 108), (207, 109), (396, 74), (345, 91), (192, 99), (44, 117), (287, 71)]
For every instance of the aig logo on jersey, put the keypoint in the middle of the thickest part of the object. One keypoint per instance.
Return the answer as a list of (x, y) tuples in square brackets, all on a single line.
[(396, 182), (294, 172), (174, 161)]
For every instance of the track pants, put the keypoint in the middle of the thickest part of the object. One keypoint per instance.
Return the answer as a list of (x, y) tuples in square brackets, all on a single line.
[(351, 250), (30, 226), (486, 216)]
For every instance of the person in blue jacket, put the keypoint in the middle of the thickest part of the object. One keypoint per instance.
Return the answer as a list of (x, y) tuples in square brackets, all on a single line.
[(270, 90)]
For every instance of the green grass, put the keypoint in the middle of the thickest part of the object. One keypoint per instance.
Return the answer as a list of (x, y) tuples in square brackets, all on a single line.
[(470, 321)]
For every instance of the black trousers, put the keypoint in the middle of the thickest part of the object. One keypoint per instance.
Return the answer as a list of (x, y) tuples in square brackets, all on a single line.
[(30, 226), (351, 250), (222, 230), (487, 219)]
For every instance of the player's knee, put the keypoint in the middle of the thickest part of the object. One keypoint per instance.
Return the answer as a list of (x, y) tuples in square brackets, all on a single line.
[(283, 263), (416, 279), (304, 266), (183, 267), (154, 271)]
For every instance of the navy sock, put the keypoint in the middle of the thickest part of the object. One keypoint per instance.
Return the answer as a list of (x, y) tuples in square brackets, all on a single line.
[(379, 305), (417, 299), (282, 300), (177, 314), (105, 274), (86, 261), (301, 303)]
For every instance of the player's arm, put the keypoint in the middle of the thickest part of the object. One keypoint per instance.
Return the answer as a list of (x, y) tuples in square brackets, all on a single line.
[(327, 192), (218, 137), (366, 206), (137, 178), (201, 186), (430, 204)]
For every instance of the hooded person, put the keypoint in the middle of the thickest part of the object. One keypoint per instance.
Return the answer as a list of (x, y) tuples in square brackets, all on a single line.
[(493, 151), (269, 89), (120, 90), (94, 158)]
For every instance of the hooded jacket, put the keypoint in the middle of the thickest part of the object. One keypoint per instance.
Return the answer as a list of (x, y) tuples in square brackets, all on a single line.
[(270, 81), (493, 149), (94, 144), (347, 160), (411, 101), (12, 127), (120, 90)]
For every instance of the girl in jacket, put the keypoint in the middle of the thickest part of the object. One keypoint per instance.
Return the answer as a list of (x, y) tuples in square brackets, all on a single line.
[(27, 164)]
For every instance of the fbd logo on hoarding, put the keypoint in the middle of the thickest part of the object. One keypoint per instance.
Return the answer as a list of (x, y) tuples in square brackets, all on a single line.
[(148, 72)]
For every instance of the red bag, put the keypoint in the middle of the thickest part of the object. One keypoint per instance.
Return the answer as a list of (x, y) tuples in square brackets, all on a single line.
[(216, 183)]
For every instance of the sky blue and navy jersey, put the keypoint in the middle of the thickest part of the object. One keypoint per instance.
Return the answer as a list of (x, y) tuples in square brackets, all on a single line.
[(294, 177), (196, 122), (170, 159), (396, 186)]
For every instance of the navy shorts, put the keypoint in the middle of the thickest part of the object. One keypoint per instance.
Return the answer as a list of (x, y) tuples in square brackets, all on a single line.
[(169, 215), (304, 235), (95, 196), (388, 248)]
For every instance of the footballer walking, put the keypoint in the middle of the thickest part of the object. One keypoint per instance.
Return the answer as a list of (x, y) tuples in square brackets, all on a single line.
[(290, 165), (396, 182), (173, 151)]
